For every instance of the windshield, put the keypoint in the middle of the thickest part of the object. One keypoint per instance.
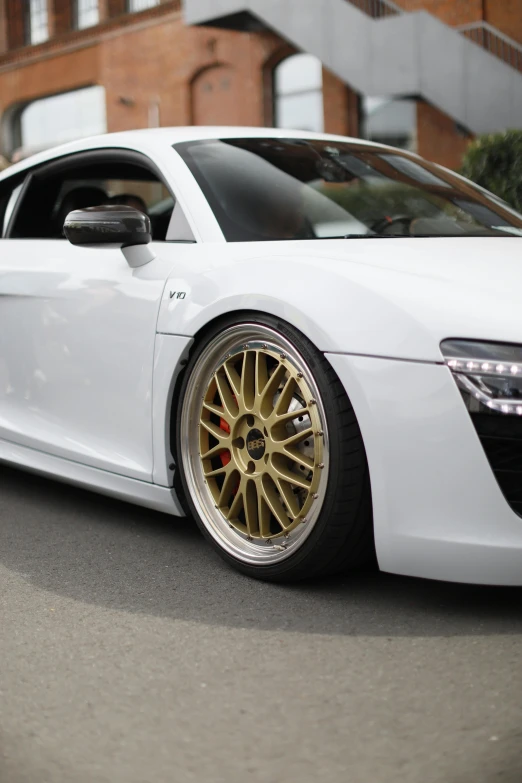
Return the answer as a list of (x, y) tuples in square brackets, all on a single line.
[(283, 189)]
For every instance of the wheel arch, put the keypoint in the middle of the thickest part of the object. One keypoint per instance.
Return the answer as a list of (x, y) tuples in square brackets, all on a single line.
[(209, 343), (179, 372)]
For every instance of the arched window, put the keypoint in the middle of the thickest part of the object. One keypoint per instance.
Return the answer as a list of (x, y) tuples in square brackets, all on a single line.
[(298, 93), (59, 118), (389, 121)]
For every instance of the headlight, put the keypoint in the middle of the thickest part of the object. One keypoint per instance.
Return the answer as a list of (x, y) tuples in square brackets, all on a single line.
[(488, 374)]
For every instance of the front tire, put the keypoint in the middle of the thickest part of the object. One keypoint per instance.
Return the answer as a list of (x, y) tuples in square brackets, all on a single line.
[(271, 458)]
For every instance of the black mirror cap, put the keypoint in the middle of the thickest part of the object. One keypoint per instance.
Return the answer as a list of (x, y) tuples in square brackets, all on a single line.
[(112, 224)]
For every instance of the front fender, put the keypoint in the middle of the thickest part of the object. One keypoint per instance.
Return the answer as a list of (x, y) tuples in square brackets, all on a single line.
[(340, 306)]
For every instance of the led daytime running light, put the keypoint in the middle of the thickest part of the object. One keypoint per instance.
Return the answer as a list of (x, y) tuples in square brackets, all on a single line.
[(475, 367)]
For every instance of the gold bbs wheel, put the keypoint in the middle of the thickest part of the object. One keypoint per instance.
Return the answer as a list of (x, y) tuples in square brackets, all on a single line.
[(254, 444)]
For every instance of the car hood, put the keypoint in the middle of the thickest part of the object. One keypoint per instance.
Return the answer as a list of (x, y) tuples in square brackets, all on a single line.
[(395, 298)]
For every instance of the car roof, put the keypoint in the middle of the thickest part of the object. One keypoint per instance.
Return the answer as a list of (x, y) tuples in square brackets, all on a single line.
[(171, 136)]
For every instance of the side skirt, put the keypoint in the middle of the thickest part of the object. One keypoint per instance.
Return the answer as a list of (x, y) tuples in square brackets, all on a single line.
[(139, 492)]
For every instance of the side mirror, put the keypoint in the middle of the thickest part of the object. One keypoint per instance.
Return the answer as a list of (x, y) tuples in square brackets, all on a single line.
[(108, 224), (112, 224)]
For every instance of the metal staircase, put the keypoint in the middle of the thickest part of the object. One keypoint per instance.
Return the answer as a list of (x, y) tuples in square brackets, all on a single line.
[(472, 73)]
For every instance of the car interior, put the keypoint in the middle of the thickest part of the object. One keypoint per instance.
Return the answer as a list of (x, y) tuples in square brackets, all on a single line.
[(52, 192)]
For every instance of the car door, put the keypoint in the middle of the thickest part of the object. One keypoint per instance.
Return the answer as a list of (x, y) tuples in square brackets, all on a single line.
[(78, 327)]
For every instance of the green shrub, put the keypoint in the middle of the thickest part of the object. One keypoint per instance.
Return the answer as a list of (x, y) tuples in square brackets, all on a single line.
[(494, 161)]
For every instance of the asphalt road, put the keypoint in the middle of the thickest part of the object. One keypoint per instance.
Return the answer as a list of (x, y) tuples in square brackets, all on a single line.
[(130, 654)]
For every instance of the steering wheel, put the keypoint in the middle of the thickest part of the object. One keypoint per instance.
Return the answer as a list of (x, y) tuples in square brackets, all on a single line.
[(380, 226)]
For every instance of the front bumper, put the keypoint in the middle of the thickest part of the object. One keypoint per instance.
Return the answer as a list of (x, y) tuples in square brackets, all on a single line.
[(439, 512)]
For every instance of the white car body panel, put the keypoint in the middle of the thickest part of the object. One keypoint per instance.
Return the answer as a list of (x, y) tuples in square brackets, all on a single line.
[(379, 309), (76, 353), (438, 510), (142, 493)]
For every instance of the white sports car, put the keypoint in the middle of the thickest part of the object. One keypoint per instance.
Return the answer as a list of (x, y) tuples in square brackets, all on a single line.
[(310, 344)]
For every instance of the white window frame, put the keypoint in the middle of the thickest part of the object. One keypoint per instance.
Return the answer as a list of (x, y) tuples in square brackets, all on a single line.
[(36, 21)]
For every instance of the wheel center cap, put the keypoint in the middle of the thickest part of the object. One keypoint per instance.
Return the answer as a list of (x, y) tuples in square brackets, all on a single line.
[(255, 444)]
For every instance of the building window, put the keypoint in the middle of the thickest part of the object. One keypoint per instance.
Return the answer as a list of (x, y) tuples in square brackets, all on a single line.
[(36, 21), (86, 13), (389, 121), (141, 5), (60, 118), (298, 93)]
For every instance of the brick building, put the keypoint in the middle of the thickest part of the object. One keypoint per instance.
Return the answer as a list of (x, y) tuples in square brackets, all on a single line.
[(138, 63)]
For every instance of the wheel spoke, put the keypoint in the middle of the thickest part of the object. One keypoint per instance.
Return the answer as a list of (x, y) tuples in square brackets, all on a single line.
[(284, 418), (289, 497), (217, 472), (233, 378), (250, 501), (230, 484), (227, 397), (238, 503), (284, 472), (261, 373), (285, 398), (263, 515), (300, 458), (209, 406), (215, 430), (274, 502), (293, 440), (266, 401), (215, 451), (248, 380)]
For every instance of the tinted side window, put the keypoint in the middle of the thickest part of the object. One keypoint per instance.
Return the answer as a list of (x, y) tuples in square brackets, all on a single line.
[(89, 180)]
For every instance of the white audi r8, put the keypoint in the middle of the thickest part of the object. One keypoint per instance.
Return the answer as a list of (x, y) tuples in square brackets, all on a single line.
[(310, 344)]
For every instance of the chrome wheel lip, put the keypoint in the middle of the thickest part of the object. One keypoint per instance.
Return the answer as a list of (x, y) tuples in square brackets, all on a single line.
[(236, 544)]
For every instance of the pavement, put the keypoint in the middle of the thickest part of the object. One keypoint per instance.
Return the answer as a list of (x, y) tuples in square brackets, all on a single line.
[(129, 653)]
